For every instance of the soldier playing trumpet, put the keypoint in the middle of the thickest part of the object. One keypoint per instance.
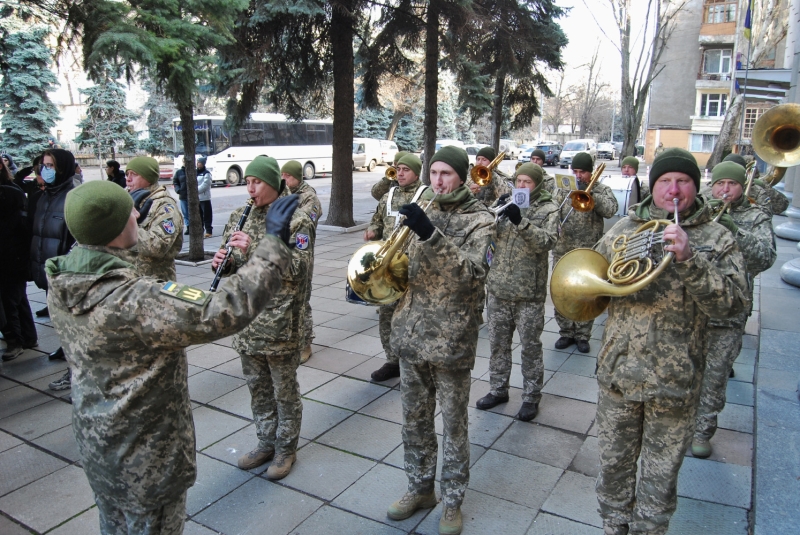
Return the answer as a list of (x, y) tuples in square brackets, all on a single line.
[(497, 187)]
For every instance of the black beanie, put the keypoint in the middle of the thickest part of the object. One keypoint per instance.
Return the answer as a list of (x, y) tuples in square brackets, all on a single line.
[(539, 153), (455, 157), (583, 161), (735, 158), (487, 152), (675, 160)]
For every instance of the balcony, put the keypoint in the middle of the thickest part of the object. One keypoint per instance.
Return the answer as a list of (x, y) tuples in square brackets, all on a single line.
[(713, 81)]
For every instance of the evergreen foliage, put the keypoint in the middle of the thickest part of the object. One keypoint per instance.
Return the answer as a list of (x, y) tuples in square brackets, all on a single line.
[(28, 113), (372, 123), (160, 114)]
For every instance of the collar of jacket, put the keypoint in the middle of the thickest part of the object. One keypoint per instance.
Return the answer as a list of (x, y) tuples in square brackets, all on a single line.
[(696, 214), (461, 196)]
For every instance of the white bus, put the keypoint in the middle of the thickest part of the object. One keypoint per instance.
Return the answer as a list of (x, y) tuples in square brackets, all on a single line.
[(269, 134)]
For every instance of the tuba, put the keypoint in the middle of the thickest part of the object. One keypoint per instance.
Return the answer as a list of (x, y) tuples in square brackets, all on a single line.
[(776, 139), (583, 282), (482, 174)]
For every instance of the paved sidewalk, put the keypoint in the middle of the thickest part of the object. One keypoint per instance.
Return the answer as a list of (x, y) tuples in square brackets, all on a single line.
[(526, 478)]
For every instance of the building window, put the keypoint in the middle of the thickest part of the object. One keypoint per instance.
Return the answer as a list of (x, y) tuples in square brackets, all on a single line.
[(751, 115), (718, 11), (713, 104), (702, 142), (717, 61)]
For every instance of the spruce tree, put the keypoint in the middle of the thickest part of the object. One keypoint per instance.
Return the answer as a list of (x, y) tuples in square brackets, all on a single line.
[(28, 113), (160, 114)]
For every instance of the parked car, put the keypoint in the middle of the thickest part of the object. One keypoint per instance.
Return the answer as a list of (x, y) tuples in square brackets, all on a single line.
[(552, 152), (509, 146), (388, 150), (472, 152), (571, 148), (366, 153), (606, 151), (444, 143)]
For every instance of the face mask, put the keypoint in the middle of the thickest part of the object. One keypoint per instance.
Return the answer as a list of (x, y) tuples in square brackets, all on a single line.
[(48, 175)]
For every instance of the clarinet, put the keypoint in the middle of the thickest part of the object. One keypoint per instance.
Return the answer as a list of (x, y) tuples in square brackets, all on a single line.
[(228, 248)]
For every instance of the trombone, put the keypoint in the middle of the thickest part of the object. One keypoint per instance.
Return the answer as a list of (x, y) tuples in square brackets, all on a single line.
[(482, 174), (582, 201)]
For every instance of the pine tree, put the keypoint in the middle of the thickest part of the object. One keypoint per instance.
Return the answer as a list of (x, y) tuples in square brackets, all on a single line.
[(28, 113), (106, 126), (160, 114)]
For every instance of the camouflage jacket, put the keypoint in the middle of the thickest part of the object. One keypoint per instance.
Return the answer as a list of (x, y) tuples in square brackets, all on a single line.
[(550, 184), (124, 337), (382, 224), (382, 187), (652, 346), (160, 236), (436, 320), (276, 331), (309, 202), (488, 194), (583, 229), (768, 198), (519, 268)]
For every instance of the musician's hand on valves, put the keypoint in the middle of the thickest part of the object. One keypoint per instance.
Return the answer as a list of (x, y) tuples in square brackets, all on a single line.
[(474, 188), (503, 199), (369, 235), (417, 221), (513, 214), (677, 243), (239, 240)]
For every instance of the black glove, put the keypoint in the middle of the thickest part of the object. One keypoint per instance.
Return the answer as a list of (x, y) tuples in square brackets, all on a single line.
[(279, 217), (727, 222), (142, 206), (513, 214), (503, 199), (417, 221)]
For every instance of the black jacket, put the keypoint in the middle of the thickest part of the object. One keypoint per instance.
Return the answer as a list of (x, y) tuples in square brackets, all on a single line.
[(179, 182), (118, 178), (15, 239)]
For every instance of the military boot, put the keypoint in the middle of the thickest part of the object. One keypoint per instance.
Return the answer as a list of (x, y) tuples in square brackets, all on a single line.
[(564, 342), (406, 506), (306, 354), (451, 522), (386, 372), (281, 466), (701, 448), (528, 411), (255, 458), (614, 529), (490, 400)]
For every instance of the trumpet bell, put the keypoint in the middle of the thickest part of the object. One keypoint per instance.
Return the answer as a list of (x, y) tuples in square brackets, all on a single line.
[(378, 287), (776, 135), (481, 175), (582, 201), (578, 286), (391, 173)]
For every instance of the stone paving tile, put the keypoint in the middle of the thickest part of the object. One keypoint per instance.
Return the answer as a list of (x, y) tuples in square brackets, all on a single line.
[(514, 479), (396, 458), (61, 442), (43, 382), (743, 372), (20, 398), (353, 324), (694, 516), (774, 380), (7, 527), (331, 521), (723, 483), (746, 356), (732, 447), (335, 360), (579, 365), (484, 426), (364, 435), (215, 479), (587, 461), (326, 472), (211, 425), (360, 343), (87, 523), (210, 355), (32, 365), (546, 524), (257, 504), (574, 498), (541, 444), (310, 378), (572, 386), (739, 393), (387, 407), (23, 464), (230, 448), (233, 368), (236, 402), (66, 493), (193, 528), (347, 393), (207, 386), (483, 514), (7, 442), (736, 418), (5, 384), (318, 418), (566, 413), (325, 336)]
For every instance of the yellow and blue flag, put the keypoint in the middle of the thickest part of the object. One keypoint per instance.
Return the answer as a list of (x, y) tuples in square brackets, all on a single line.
[(748, 20)]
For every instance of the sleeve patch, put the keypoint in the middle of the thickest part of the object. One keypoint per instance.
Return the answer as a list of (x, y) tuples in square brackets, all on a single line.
[(168, 225), (185, 293), (490, 253), (302, 241), (313, 216)]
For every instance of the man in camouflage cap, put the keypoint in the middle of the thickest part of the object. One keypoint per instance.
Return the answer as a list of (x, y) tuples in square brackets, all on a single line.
[(539, 158), (408, 190), (769, 199), (125, 337), (517, 285), (292, 174), (498, 185), (160, 221), (383, 186), (752, 229), (435, 334), (270, 345), (581, 229), (651, 363)]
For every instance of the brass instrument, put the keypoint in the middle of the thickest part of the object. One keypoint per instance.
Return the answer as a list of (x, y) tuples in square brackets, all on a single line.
[(378, 271), (776, 139), (722, 207), (482, 174), (516, 167), (228, 248), (578, 285), (581, 200), (498, 210), (391, 173)]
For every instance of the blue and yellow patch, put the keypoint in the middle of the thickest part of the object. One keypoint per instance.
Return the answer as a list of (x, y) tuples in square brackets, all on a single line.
[(302, 241), (169, 226), (490, 253), (185, 293)]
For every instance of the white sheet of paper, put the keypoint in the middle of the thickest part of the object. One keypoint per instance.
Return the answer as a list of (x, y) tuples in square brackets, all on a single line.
[(522, 197)]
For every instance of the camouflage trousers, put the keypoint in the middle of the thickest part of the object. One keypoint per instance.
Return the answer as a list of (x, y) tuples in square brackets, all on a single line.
[(723, 345), (166, 520), (385, 314), (481, 302), (528, 319), (419, 387), (307, 334), (659, 434), (579, 330), (275, 399)]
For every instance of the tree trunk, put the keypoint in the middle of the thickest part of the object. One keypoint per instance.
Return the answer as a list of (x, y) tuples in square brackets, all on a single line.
[(398, 114), (431, 85), (340, 211), (186, 112), (728, 133), (497, 111), (628, 133)]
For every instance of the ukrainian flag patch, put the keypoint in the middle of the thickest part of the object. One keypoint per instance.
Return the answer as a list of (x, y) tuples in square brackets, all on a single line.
[(185, 293)]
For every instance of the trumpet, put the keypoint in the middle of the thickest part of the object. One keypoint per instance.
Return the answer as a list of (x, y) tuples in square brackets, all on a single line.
[(581, 200), (391, 173), (482, 174), (228, 248), (776, 139), (578, 285), (498, 210)]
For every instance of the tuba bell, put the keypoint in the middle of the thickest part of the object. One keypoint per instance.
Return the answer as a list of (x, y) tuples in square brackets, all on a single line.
[(776, 139), (482, 174)]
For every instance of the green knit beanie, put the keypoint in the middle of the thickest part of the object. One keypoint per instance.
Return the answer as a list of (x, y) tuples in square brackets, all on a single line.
[(729, 169), (632, 161), (97, 212), (532, 170), (412, 162), (675, 160), (539, 153), (583, 162), (146, 167), (735, 158), (399, 154), (455, 157), (293, 167), (266, 170), (488, 153)]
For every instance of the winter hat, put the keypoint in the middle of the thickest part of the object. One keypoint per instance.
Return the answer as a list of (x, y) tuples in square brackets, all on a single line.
[(675, 160), (488, 153), (730, 170), (455, 157), (144, 166), (293, 167), (632, 161), (399, 154), (735, 158), (266, 170), (532, 170), (412, 162), (539, 153), (97, 212), (65, 164), (202, 160), (583, 162)]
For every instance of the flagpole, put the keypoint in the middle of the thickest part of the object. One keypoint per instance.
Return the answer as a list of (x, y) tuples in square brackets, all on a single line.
[(748, 18)]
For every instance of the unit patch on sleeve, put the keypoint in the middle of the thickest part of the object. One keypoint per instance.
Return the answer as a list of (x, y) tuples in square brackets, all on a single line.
[(302, 241), (490, 253), (169, 226), (185, 293)]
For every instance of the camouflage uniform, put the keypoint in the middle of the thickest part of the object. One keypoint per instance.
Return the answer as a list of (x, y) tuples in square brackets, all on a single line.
[(770, 200), (650, 366), (270, 345), (160, 236), (382, 225), (124, 337), (435, 334), (517, 285), (549, 183), (309, 203), (582, 229), (723, 339), (382, 187), (498, 187)]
